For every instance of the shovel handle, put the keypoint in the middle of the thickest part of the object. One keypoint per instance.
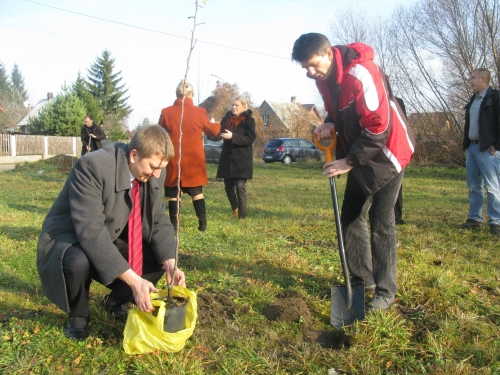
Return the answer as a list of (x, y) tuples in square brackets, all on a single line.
[(327, 150), (329, 157)]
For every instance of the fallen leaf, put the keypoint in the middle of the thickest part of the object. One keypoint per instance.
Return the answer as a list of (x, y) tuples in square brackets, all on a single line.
[(475, 289), (77, 360)]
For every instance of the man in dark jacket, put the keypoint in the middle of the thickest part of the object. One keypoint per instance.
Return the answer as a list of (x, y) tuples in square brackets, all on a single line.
[(91, 136), (374, 147), (482, 142), (86, 233)]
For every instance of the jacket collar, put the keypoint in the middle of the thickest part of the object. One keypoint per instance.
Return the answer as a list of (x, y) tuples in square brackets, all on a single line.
[(122, 177), (187, 102)]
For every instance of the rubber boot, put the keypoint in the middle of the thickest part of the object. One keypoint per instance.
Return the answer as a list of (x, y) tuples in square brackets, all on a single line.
[(172, 212), (200, 209)]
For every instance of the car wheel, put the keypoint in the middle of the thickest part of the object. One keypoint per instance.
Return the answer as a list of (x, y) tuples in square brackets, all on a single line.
[(287, 159)]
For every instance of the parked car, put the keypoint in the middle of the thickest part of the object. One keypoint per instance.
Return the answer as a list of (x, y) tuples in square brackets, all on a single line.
[(212, 150), (287, 150)]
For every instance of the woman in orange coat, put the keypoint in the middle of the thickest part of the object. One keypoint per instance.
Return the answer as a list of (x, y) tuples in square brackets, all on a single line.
[(193, 167)]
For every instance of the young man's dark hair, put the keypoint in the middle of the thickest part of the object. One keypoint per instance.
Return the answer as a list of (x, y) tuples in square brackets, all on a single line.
[(309, 45)]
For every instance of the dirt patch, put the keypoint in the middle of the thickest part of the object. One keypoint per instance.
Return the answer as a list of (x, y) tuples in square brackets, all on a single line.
[(214, 306), (288, 306), (328, 339)]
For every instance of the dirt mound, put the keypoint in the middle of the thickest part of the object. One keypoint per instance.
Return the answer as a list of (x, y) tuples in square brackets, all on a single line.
[(288, 306), (214, 306), (64, 162)]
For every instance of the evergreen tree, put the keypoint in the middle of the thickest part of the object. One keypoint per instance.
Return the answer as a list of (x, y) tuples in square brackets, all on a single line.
[(4, 85), (145, 122), (63, 117), (12, 104), (19, 93), (79, 88), (106, 87)]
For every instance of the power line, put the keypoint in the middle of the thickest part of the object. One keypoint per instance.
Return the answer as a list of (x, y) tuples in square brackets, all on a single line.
[(156, 31)]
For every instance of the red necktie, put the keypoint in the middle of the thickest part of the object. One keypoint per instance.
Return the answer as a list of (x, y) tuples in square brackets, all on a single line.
[(135, 230)]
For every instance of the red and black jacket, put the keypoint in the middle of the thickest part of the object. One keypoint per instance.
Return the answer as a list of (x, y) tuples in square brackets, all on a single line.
[(373, 132)]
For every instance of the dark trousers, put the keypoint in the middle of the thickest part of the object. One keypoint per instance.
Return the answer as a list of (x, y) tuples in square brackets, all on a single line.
[(79, 273), (398, 207), (236, 192), (371, 257)]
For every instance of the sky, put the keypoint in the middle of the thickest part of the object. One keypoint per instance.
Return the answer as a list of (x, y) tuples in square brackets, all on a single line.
[(243, 42)]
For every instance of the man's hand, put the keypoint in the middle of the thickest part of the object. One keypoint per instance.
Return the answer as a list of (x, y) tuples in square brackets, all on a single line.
[(336, 168), (88, 148), (226, 135), (325, 131), (92, 135), (492, 150), (140, 289), (178, 276)]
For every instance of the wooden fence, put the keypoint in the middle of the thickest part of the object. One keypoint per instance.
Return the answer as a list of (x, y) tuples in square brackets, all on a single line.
[(22, 144)]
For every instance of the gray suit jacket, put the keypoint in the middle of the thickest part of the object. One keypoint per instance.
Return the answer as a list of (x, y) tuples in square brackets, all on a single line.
[(92, 210)]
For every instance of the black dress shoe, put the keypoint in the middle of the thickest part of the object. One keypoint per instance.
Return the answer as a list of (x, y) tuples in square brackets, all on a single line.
[(117, 311), (76, 334), (400, 222)]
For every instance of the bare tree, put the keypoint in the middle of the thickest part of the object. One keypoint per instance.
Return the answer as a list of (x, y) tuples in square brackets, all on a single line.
[(436, 46), (429, 51)]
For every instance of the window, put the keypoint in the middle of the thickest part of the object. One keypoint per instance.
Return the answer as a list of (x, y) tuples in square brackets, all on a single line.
[(306, 144), (265, 119)]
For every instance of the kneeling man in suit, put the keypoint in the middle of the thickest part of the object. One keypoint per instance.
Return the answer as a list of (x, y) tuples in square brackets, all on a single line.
[(109, 224)]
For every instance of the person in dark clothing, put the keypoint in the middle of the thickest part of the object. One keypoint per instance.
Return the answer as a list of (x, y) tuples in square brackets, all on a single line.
[(89, 231), (374, 146), (236, 159), (91, 136), (482, 145)]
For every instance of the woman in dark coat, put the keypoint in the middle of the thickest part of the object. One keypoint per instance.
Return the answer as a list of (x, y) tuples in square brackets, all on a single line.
[(236, 159)]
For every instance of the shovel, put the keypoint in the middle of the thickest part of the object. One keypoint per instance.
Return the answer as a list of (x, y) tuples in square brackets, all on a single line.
[(347, 301)]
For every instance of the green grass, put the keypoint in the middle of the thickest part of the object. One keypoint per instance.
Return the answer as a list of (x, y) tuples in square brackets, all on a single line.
[(446, 319)]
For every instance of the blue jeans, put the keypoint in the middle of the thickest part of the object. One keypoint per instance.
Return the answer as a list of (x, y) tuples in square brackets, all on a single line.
[(483, 167), (371, 258)]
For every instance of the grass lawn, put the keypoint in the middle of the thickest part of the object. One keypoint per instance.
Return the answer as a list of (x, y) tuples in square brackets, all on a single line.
[(445, 321)]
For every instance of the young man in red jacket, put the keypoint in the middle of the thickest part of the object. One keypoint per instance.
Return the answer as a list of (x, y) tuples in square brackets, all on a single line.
[(374, 146)]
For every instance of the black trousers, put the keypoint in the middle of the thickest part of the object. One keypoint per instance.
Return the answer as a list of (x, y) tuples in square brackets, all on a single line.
[(398, 207), (79, 273), (236, 192)]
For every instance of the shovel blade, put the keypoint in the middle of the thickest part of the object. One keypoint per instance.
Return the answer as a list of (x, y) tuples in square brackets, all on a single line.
[(340, 314)]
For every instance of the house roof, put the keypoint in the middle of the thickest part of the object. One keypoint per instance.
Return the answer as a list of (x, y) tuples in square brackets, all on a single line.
[(34, 111), (288, 112)]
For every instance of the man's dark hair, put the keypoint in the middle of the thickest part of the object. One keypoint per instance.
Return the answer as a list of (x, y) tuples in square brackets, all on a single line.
[(309, 45), (89, 117)]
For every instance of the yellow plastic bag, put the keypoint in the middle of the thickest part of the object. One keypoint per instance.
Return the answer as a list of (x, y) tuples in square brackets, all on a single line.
[(144, 332)]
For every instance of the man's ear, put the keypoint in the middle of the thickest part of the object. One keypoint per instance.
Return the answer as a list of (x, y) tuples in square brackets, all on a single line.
[(133, 156), (329, 53)]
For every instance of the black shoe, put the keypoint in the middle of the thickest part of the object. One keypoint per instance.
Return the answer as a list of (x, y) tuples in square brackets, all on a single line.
[(471, 224), (495, 230), (117, 311), (400, 222), (76, 334)]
